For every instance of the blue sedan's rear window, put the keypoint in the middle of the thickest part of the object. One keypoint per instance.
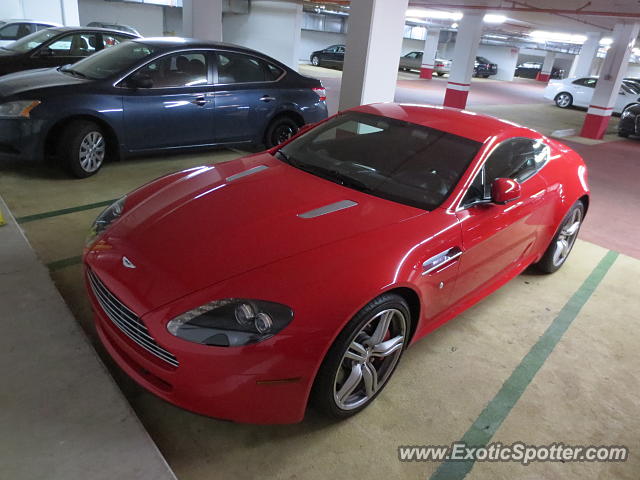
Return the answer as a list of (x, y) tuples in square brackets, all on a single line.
[(388, 158)]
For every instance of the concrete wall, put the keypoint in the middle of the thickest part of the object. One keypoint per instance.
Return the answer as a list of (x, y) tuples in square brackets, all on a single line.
[(46, 10), (270, 28), (147, 19)]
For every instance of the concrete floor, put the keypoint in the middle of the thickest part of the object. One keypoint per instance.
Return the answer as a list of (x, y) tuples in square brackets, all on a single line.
[(585, 392)]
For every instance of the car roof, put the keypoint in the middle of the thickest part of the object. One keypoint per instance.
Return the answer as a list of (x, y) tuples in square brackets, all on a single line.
[(471, 125), (91, 29), (169, 43), (27, 20)]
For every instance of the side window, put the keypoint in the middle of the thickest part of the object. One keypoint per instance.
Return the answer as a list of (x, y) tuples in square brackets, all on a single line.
[(75, 45), (25, 29), (517, 158), (340, 49), (240, 68), (177, 70), (412, 55), (111, 40), (10, 32), (42, 26), (273, 72)]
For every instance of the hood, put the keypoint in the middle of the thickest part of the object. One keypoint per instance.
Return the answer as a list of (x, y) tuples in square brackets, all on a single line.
[(23, 82), (215, 222)]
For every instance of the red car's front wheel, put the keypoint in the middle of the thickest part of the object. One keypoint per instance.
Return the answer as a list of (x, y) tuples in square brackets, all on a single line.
[(363, 357)]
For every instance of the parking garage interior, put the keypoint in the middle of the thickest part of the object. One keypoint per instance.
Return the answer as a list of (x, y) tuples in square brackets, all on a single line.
[(544, 360)]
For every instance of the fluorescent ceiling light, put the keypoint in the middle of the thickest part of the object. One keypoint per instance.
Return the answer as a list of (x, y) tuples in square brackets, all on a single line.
[(415, 20), (606, 41), (437, 14), (491, 18), (543, 36), (454, 25)]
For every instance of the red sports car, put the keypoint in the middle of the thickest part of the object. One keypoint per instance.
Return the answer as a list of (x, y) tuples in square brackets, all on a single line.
[(241, 290)]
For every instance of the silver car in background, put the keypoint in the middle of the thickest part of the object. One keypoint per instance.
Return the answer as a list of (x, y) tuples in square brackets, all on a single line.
[(413, 61)]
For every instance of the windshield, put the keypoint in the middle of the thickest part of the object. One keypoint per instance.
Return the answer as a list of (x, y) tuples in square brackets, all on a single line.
[(631, 87), (482, 60), (392, 159), (112, 61), (32, 41)]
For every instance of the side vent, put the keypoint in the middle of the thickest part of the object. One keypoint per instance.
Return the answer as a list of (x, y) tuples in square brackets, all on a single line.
[(332, 207), (246, 173)]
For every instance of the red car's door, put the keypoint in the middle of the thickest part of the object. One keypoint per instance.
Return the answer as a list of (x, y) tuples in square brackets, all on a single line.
[(499, 239)]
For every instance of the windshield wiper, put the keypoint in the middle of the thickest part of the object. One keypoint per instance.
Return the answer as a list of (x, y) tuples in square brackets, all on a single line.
[(336, 177), (283, 156)]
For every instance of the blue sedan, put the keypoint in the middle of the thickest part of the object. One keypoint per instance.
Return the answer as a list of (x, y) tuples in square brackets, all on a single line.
[(151, 95)]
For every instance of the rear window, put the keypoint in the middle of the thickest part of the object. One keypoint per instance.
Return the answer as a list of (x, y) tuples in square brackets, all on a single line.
[(482, 60), (391, 159)]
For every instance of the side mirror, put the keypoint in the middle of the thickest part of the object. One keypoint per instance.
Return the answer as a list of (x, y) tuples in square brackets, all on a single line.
[(504, 190), (140, 80)]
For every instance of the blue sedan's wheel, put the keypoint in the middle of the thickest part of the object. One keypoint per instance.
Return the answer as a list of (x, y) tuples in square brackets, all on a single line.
[(280, 130), (363, 357), (82, 148)]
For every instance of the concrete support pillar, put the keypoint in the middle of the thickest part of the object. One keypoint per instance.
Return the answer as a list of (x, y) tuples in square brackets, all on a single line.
[(202, 19), (464, 56), (271, 26), (69, 12), (587, 54), (613, 71), (374, 43), (547, 67), (429, 53)]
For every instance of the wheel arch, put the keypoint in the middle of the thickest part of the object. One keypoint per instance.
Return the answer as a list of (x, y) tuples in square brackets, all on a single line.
[(56, 129), (288, 112)]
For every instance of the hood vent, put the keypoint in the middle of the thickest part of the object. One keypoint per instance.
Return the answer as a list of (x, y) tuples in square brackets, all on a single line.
[(251, 171), (332, 207)]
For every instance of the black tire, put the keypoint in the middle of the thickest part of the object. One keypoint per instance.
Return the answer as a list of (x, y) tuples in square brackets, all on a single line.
[(73, 143), (486, 76), (563, 100), (548, 263), (440, 74), (324, 392), (315, 61), (623, 134), (280, 130)]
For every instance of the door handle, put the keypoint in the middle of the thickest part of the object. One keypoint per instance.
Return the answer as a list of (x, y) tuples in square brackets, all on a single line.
[(441, 260), (200, 101), (266, 98)]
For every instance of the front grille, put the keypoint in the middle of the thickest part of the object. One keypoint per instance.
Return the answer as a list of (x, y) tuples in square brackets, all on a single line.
[(127, 321)]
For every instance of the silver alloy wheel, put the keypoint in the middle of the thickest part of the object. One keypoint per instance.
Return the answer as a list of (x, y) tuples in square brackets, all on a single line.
[(315, 61), (92, 151), (563, 100), (370, 359), (567, 237)]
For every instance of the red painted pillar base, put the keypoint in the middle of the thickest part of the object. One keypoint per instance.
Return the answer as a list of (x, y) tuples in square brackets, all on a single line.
[(426, 73), (543, 77), (455, 98), (594, 126)]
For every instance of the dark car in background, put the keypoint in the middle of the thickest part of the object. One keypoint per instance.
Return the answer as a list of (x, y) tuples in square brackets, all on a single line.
[(115, 26), (151, 95), (484, 68), (532, 69), (332, 56), (57, 46), (12, 30), (629, 121)]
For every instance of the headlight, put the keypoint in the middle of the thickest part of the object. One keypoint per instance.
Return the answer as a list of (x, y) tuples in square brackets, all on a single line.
[(106, 218), (232, 322), (17, 109)]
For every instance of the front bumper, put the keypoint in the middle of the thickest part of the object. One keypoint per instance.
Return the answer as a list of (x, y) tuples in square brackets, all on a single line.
[(19, 139), (253, 384)]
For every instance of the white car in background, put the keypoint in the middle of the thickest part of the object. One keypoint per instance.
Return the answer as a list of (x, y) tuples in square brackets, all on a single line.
[(12, 30), (578, 92)]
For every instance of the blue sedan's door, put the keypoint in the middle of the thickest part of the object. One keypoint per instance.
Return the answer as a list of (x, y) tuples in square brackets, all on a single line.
[(246, 96), (175, 109)]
